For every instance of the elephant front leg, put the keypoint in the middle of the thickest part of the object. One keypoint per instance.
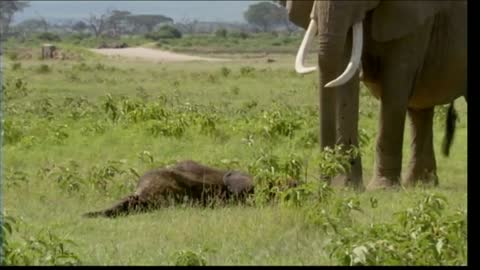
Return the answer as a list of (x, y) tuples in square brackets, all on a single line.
[(347, 132), (388, 154), (422, 162), (396, 86)]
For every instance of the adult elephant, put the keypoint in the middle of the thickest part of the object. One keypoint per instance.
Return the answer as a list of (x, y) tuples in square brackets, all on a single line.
[(413, 57)]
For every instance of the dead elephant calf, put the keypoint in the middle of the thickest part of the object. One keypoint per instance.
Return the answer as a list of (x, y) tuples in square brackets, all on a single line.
[(187, 178)]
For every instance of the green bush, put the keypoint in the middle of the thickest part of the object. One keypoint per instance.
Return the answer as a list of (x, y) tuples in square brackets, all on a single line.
[(16, 88), (16, 66), (80, 36), (247, 70), (420, 235), (276, 43), (165, 31), (13, 132), (221, 33), (47, 36), (42, 69), (189, 258), (225, 71), (13, 56), (37, 248), (241, 35)]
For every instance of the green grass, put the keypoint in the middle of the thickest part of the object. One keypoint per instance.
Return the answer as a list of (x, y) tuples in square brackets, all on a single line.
[(202, 44), (255, 43), (79, 40), (44, 133)]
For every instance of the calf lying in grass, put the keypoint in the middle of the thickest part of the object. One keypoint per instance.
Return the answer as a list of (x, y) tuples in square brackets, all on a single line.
[(189, 179)]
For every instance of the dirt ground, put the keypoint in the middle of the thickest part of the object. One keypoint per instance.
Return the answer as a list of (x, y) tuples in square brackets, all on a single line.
[(154, 55)]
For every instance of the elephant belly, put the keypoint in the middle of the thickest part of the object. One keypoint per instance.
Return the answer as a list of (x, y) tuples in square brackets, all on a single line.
[(443, 90), (443, 75)]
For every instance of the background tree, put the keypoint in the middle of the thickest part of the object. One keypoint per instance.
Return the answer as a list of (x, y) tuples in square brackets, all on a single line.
[(289, 26), (7, 10), (64, 25), (117, 21), (187, 25), (29, 26), (265, 15), (147, 22), (43, 23), (97, 23), (79, 26)]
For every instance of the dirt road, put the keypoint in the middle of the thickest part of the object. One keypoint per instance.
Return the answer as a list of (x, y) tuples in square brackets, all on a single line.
[(154, 55)]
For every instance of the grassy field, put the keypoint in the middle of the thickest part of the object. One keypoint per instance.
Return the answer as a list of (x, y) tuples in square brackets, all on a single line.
[(198, 44), (77, 131)]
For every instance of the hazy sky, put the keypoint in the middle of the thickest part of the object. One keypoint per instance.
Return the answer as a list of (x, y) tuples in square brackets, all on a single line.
[(226, 11)]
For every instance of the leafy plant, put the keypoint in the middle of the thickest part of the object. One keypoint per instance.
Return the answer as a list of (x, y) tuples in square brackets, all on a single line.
[(13, 132), (12, 56), (165, 32), (189, 258), (168, 128), (67, 177), (16, 66), (305, 193), (221, 33), (43, 69), (241, 35), (420, 235), (15, 178), (308, 139), (146, 156), (59, 133), (16, 88), (96, 128), (336, 160), (208, 123), (281, 122), (225, 71), (48, 36), (39, 248), (247, 70), (111, 108), (235, 90), (101, 177)]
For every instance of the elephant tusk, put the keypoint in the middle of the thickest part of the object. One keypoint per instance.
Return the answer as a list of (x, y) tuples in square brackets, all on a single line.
[(355, 58), (307, 39)]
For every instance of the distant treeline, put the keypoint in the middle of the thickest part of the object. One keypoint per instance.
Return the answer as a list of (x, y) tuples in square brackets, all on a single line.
[(260, 17)]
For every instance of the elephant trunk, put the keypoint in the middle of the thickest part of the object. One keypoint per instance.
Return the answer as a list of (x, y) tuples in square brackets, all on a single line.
[(332, 59)]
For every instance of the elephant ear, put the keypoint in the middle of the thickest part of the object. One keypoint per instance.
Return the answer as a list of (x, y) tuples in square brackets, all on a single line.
[(298, 12), (238, 182), (395, 19)]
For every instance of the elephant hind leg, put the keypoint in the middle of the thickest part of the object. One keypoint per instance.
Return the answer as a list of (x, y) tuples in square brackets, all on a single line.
[(422, 165), (450, 124)]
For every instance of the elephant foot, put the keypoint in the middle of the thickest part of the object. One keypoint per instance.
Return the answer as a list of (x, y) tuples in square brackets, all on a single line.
[(383, 183), (428, 178), (342, 181)]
